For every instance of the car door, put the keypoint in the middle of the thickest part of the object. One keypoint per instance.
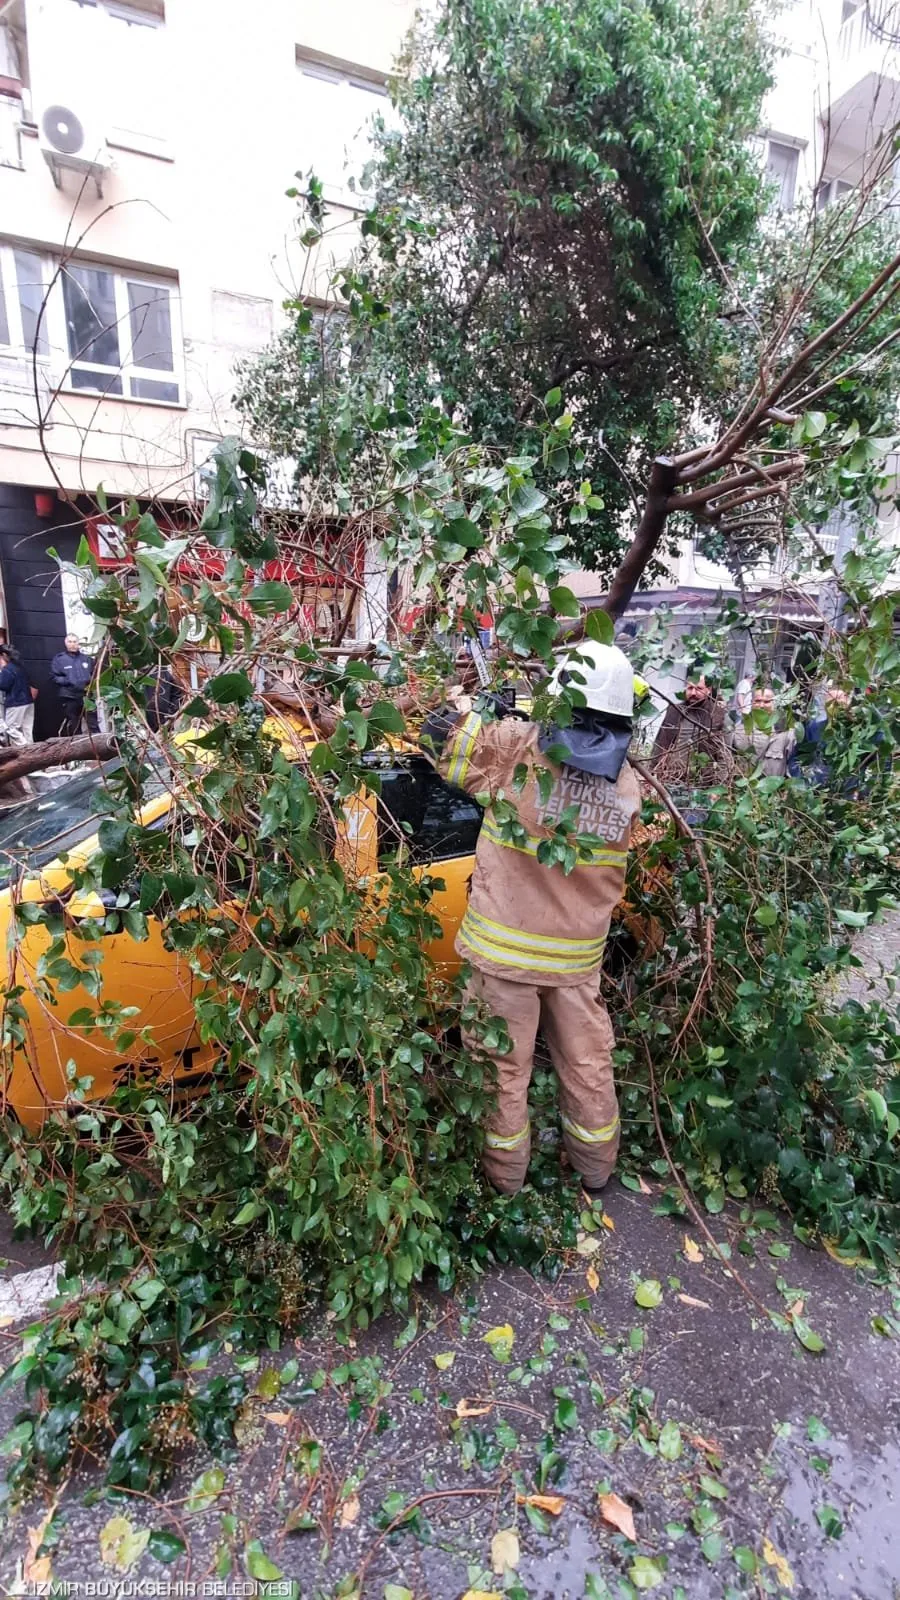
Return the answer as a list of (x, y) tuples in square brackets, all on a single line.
[(439, 824), (141, 974)]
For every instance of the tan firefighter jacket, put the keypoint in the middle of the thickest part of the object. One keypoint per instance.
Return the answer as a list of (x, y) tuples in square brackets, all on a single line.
[(528, 921)]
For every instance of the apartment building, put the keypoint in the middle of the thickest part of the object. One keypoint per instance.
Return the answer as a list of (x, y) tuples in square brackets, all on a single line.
[(146, 242)]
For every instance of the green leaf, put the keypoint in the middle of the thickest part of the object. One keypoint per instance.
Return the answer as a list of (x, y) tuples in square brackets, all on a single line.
[(714, 1201), (165, 1545), (807, 1337), (248, 1213), (647, 1572), (121, 1544), (766, 916), (229, 688), (396, 1591), (669, 1442), (553, 399), (599, 626), (566, 1414), (829, 1520), (205, 1489), (713, 1487), (712, 1547), (258, 1564), (564, 602), (462, 531), (269, 598), (852, 919), (649, 1293)]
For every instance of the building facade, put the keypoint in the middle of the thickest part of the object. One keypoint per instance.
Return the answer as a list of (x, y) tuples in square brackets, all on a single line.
[(147, 242)]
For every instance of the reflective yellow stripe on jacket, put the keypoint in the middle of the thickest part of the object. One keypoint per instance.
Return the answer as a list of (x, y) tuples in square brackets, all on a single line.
[(514, 947), (462, 746), (599, 855)]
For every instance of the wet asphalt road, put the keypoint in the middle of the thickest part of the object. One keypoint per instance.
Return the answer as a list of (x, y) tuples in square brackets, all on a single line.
[(769, 1435)]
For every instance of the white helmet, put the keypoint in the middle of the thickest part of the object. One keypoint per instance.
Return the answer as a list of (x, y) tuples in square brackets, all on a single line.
[(602, 673)]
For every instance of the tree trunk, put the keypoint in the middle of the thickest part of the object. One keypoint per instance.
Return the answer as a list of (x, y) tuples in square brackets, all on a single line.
[(652, 526), (18, 761)]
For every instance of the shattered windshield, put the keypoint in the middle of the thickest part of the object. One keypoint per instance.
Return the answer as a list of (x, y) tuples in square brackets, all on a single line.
[(37, 830)]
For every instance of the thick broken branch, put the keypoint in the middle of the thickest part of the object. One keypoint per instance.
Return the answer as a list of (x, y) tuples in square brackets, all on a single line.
[(18, 760), (760, 477)]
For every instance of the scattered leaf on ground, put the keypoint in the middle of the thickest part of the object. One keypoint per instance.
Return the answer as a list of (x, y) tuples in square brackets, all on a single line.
[(844, 1260), (587, 1244), (482, 1594), (6, 1322), (592, 1278), (300, 1520), (782, 1569), (444, 1359), (566, 1414), (713, 1487), (505, 1551), (816, 1430), (829, 1520), (468, 1408), (279, 1418), (692, 1251), (350, 1511), (166, 1546), (121, 1544), (649, 1293), (712, 1546), (708, 1446), (258, 1564), (37, 1569), (691, 1300), (647, 1572), (808, 1339), (501, 1341), (471, 1408), (554, 1503), (618, 1514), (396, 1591), (670, 1446), (205, 1489), (607, 1221), (644, 1186)]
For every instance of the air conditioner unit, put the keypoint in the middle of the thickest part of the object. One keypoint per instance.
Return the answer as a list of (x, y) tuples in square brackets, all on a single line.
[(68, 140)]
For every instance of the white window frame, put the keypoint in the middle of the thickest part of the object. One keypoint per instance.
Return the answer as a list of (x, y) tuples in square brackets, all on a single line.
[(830, 191), (17, 344), (781, 142), (345, 78), (56, 358)]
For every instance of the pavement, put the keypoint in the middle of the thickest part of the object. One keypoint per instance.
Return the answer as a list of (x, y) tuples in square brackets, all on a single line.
[(639, 1425)]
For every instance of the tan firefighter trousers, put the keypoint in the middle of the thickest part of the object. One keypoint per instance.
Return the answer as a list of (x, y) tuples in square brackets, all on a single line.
[(580, 1039)]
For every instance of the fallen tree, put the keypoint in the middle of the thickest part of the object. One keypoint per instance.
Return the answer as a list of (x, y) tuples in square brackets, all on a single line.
[(331, 1157)]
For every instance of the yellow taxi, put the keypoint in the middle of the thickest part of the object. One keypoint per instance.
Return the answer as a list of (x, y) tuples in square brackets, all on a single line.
[(438, 824)]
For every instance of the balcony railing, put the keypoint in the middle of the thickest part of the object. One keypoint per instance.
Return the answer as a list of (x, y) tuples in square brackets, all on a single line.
[(871, 28)]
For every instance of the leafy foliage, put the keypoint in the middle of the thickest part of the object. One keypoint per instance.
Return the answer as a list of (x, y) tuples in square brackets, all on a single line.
[(567, 182)]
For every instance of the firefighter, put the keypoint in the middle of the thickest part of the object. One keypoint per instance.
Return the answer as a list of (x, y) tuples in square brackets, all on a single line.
[(533, 934)]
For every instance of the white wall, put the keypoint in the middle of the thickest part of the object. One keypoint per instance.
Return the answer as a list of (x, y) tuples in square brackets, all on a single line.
[(207, 208)]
